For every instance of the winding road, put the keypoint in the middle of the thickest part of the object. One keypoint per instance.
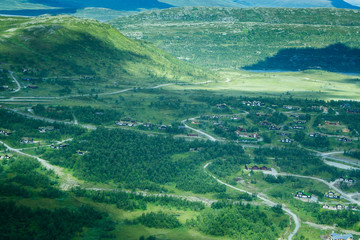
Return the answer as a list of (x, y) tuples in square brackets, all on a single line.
[(265, 200), (16, 81), (211, 138)]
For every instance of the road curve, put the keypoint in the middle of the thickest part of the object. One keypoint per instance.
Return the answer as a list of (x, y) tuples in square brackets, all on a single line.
[(16, 81), (265, 200), (211, 138)]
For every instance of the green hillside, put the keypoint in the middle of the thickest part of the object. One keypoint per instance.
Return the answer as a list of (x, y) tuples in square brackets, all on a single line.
[(68, 46), (233, 37)]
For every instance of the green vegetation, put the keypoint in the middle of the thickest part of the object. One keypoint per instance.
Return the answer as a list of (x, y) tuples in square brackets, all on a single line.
[(21, 127), (238, 221), (235, 38), (85, 50)]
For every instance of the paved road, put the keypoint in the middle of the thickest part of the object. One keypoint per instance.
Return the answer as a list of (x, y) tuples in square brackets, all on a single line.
[(16, 81), (265, 200), (211, 138), (32, 99)]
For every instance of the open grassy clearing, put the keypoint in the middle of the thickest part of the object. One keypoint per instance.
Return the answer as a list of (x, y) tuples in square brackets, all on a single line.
[(307, 84)]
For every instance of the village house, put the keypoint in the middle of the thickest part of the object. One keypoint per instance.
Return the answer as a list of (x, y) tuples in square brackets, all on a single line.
[(247, 135), (253, 103), (218, 123), (5, 156), (345, 130), (163, 127), (336, 236), (221, 106), (332, 123), (265, 123), (300, 122), (299, 127), (60, 146), (315, 135), (302, 194), (46, 129), (81, 153), (195, 149), (291, 107), (256, 168), (5, 132), (275, 128), (121, 123), (332, 195), (344, 139), (346, 180), (286, 140), (27, 140), (242, 129), (194, 122), (148, 125), (235, 118)]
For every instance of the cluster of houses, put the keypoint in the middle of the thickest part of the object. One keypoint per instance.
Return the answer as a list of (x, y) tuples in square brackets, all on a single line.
[(46, 129), (336, 207), (5, 156), (247, 135), (346, 180), (60, 146), (5, 132), (286, 140), (125, 123), (253, 103), (291, 108), (27, 140), (256, 168)]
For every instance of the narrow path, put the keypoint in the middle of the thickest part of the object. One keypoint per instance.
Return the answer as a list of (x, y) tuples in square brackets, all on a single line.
[(16, 81), (265, 200)]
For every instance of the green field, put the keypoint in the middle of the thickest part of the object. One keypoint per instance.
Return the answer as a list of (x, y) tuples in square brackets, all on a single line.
[(235, 38)]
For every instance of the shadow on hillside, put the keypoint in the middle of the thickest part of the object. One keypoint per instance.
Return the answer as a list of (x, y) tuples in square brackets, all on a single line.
[(343, 4), (334, 58)]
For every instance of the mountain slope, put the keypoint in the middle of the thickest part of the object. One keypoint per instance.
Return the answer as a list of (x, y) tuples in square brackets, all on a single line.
[(235, 37), (68, 46), (111, 9)]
